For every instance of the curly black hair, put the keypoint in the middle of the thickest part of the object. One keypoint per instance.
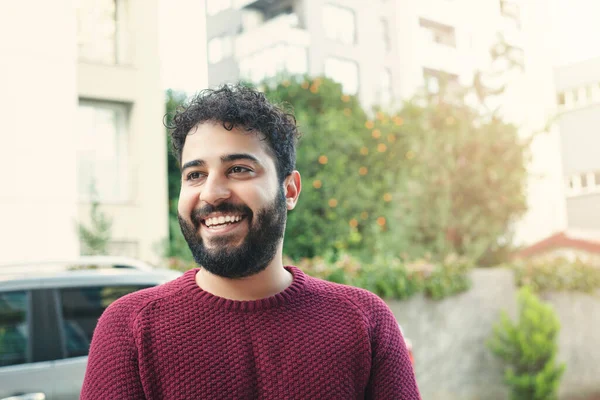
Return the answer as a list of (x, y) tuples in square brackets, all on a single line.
[(240, 106)]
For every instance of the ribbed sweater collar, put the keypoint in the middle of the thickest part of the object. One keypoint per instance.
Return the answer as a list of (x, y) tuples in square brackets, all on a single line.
[(188, 282)]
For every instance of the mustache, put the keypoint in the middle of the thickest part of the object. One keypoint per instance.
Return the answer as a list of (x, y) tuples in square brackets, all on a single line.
[(202, 213)]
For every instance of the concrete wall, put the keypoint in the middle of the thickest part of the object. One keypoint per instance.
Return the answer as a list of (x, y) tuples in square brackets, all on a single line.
[(579, 339), (448, 338)]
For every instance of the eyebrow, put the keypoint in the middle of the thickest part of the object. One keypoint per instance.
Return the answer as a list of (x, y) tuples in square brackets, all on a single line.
[(224, 159)]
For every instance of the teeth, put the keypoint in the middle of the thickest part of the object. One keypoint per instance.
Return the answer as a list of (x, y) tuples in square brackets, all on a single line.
[(222, 220)]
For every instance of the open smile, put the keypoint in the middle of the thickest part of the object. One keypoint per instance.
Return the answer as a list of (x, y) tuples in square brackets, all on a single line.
[(222, 223)]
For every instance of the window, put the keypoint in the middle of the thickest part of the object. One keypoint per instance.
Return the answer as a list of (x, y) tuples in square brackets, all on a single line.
[(339, 23), (597, 179), (14, 328), (220, 48), (575, 96), (102, 152), (439, 33), (385, 31), (344, 72), (214, 7), (583, 181), (269, 62), (81, 308), (561, 99), (102, 34)]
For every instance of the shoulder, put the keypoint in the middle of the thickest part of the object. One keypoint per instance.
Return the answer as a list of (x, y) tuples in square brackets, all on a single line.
[(369, 305), (125, 310)]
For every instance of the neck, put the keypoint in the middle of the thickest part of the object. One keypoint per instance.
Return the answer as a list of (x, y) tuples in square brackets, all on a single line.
[(270, 281)]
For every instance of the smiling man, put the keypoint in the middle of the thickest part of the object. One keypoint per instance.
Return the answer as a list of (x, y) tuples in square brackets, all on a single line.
[(243, 325)]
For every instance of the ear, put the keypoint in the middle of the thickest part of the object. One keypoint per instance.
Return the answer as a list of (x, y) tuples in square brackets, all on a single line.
[(291, 187)]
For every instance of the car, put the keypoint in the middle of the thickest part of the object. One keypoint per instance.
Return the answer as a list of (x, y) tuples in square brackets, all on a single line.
[(48, 312), (409, 346)]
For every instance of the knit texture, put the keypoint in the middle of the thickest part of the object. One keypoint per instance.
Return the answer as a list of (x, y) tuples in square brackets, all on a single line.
[(314, 340)]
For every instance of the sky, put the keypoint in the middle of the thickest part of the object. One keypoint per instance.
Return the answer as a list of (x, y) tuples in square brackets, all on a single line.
[(576, 33)]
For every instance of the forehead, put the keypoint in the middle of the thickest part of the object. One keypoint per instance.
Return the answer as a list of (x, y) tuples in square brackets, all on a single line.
[(210, 140)]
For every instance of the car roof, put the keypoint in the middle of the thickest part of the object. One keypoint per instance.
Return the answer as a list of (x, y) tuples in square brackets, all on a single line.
[(82, 271)]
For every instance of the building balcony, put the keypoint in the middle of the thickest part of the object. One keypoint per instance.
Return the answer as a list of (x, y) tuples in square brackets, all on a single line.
[(258, 4), (284, 29)]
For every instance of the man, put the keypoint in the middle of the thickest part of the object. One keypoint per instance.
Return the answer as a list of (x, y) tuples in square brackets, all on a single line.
[(243, 326)]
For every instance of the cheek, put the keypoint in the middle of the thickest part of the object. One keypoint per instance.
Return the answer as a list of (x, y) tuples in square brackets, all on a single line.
[(186, 203)]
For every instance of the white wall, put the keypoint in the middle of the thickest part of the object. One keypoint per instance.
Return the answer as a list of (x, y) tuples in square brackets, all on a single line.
[(38, 110), (142, 221)]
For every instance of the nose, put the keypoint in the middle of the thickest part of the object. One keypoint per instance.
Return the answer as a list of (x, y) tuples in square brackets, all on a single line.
[(214, 190)]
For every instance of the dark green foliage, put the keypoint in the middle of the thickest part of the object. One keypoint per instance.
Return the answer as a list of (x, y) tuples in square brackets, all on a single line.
[(176, 245), (529, 348)]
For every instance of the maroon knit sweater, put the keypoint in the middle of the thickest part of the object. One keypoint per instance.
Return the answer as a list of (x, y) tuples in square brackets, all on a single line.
[(314, 340)]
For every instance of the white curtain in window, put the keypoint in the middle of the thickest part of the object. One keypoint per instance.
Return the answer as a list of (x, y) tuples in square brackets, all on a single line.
[(102, 152)]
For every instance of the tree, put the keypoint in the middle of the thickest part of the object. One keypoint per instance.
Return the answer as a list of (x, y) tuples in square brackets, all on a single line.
[(341, 201), (95, 238), (176, 245), (461, 184)]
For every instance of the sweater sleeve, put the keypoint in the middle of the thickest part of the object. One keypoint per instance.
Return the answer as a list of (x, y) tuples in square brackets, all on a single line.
[(392, 375), (112, 370)]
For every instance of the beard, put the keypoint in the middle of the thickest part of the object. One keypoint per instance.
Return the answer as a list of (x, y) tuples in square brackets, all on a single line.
[(257, 249)]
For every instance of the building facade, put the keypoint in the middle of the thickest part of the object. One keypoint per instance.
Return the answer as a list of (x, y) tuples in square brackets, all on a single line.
[(86, 109), (578, 99), (351, 41)]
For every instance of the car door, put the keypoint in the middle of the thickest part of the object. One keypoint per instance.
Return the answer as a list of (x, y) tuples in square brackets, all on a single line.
[(79, 309), (26, 345)]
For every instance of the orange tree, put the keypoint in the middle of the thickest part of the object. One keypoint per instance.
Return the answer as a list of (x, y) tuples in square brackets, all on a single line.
[(344, 204)]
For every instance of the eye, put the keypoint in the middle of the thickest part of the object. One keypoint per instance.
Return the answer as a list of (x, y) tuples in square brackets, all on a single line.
[(193, 176), (238, 169)]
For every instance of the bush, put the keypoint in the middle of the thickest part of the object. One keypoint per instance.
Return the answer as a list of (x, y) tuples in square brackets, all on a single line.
[(449, 278), (394, 278), (557, 274), (529, 347)]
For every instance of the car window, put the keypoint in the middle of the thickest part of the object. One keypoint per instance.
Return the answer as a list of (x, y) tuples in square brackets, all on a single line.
[(14, 329), (81, 308)]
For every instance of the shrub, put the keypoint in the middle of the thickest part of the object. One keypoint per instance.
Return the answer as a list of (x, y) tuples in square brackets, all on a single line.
[(449, 278), (529, 348), (557, 274), (394, 278)]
